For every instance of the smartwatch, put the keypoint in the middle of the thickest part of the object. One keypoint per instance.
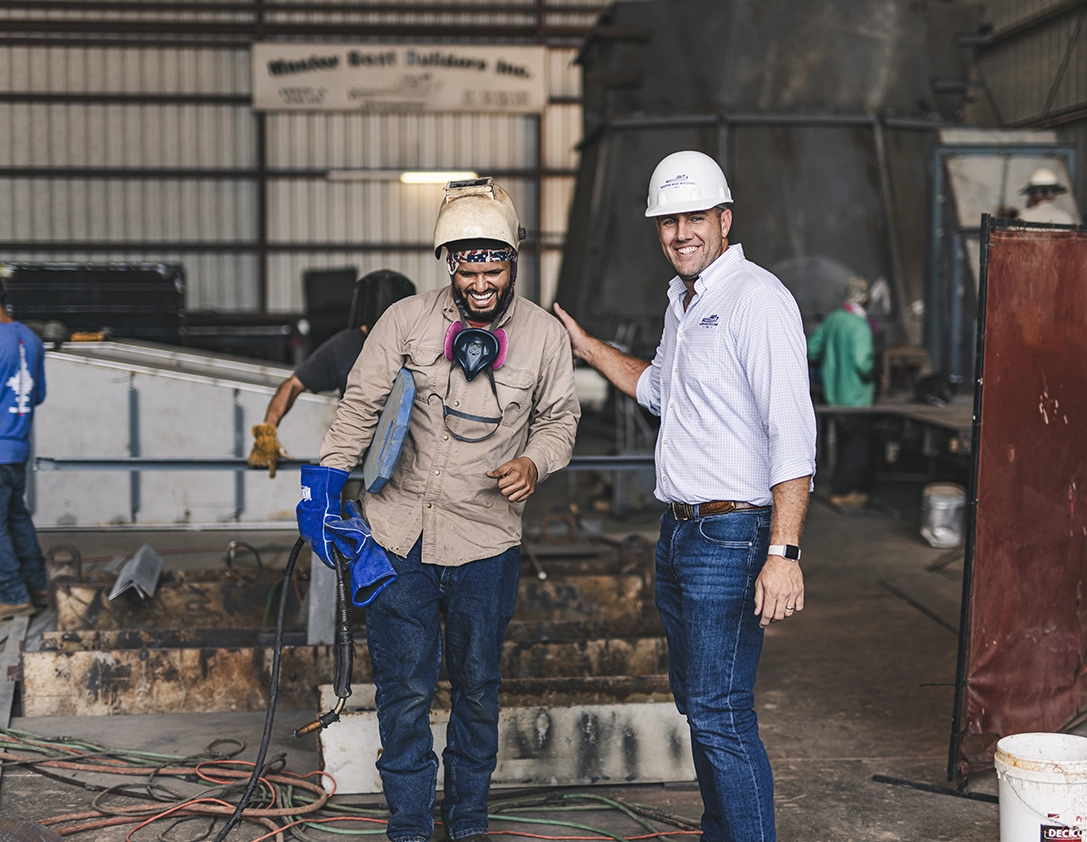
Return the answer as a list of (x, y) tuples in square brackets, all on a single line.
[(790, 551)]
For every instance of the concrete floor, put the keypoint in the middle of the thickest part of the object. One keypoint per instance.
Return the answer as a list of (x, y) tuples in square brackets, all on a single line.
[(857, 685)]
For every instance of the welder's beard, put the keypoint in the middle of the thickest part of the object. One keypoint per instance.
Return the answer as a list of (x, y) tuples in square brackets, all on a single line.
[(484, 316)]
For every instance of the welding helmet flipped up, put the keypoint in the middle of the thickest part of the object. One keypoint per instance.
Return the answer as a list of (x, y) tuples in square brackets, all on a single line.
[(477, 210)]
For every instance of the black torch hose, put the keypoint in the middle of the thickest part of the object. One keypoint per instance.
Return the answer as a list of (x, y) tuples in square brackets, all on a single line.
[(269, 718), (343, 652)]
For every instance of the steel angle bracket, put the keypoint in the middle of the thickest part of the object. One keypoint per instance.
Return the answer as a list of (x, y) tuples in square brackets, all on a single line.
[(140, 573), (392, 428)]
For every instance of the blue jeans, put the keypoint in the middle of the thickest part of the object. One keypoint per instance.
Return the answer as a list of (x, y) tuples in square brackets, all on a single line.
[(22, 565), (405, 641), (706, 571)]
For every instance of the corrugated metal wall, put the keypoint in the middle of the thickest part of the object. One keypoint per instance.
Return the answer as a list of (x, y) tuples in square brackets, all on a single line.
[(117, 152), (1033, 70)]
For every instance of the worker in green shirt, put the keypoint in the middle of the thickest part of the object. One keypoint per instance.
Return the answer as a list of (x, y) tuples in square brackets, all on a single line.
[(842, 347)]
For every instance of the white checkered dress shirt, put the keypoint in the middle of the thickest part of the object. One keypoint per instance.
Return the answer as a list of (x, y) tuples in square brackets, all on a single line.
[(730, 384)]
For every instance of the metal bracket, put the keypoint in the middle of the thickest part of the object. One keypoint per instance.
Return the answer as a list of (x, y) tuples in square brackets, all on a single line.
[(141, 572)]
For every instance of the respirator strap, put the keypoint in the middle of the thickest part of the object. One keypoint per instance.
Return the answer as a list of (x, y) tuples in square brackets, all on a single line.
[(482, 419)]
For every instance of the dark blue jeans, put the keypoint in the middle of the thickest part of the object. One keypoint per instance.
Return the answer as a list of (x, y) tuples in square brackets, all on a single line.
[(404, 636), (22, 565), (706, 571)]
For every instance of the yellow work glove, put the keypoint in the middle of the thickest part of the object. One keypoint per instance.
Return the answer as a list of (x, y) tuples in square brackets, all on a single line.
[(266, 448)]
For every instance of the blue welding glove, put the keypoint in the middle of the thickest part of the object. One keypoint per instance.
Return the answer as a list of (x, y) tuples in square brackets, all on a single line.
[(320, 504), (371, 571)]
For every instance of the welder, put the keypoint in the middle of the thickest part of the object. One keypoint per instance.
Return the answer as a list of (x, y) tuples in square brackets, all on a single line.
[(494, 414), (326, 369)]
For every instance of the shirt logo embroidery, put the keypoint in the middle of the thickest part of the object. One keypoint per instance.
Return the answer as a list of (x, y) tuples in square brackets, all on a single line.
[(22, 384), (709, 321)]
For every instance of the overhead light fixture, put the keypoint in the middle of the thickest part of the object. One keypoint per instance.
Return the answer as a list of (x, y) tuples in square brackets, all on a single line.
[(409, 177), (362, 175), (436, 176)]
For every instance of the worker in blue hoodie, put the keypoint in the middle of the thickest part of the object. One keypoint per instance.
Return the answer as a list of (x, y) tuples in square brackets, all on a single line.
[(22, 387)]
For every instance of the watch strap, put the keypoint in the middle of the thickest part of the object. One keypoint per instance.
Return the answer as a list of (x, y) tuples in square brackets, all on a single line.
[(790, 551)]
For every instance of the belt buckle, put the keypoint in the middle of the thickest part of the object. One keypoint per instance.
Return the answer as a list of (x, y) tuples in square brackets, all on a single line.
[(682, 511)]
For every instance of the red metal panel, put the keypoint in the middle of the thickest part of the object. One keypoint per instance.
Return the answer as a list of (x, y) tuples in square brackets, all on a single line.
[(1025, 664)]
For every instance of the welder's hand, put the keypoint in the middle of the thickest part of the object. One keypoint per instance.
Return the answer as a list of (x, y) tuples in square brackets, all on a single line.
[(779, 590), (267, 450), (319, 505), (516, 479)]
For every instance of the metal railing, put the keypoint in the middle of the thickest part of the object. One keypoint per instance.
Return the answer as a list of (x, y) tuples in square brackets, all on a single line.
[(49, 463)]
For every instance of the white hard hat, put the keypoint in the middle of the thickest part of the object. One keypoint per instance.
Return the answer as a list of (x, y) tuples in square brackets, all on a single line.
[(1043, 179), (684, 182), (477, 210)]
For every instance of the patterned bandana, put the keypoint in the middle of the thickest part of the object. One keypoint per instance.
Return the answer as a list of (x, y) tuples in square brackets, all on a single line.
[(456, 258)]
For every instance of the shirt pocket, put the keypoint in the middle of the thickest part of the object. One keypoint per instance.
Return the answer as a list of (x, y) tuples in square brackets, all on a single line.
[(425, 365), (514, 387)]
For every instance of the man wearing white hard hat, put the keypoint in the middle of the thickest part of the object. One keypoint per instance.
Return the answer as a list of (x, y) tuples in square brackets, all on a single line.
[(494, 414), (1041, 191), (734, 460)]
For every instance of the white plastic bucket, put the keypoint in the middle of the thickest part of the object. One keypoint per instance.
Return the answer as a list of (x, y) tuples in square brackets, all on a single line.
[(942, 514), (1043, 787)]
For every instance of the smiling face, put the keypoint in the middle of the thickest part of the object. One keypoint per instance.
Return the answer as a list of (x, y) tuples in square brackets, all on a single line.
[(482, 288), (692, 241)]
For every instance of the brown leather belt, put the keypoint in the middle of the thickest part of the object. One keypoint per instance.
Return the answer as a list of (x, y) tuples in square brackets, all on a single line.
[(689, 511)]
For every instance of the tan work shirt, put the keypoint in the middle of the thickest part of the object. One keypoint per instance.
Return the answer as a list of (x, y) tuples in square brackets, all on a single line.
[(440, 487)]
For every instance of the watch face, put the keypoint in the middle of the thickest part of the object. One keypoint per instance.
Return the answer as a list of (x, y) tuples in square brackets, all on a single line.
[(792, 551)]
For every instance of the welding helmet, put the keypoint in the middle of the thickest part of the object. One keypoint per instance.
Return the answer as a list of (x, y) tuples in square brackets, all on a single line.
[(477, 210), (685, 182), (373, 294), (1043, 180)]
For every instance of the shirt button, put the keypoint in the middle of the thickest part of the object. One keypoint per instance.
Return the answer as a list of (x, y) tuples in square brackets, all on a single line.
[(671, 406), (429, 505), (445, 438), (456, 403), (437, 473), (676, 369)]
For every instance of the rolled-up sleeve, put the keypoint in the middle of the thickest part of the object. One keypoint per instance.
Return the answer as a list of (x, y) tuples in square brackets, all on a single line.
[(555, 411), (648, 390)]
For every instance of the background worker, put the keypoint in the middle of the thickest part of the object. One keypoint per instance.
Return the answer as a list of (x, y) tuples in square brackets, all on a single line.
[(326, 369), (495, 413), (734, 459), (842, 346), (22, 387), (1042, 190)]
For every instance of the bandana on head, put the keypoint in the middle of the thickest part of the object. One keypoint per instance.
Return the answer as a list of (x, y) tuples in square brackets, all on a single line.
[(456, 258)]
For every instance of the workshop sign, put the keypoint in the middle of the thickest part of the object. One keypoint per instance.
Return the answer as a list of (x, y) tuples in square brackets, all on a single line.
[(400, 78)]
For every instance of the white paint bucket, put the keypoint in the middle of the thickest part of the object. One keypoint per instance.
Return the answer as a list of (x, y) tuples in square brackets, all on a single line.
[(942, 514), (1043, 787)]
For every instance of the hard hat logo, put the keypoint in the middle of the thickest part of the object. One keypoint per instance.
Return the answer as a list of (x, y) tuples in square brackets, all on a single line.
[(685, 182)]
